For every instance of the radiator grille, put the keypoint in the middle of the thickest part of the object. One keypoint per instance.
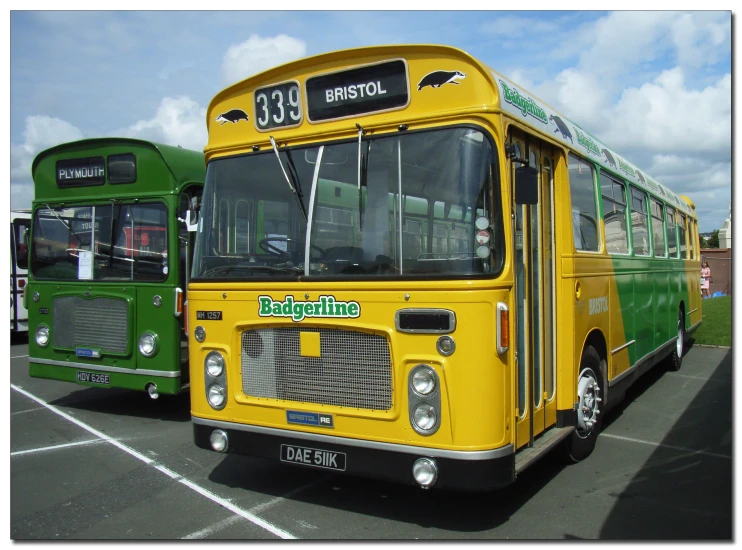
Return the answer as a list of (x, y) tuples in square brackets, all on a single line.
[(99, 323), (354, 368)]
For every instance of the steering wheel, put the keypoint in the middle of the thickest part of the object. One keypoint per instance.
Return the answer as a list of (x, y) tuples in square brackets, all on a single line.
[(266, 245)]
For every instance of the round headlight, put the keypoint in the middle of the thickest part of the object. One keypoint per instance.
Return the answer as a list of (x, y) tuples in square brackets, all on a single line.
[(219, 441), (42, 336), (216, 396), (423, 380), (157, 301), (199, 333), (147, 344), (425, 472), (35, 296), (424, 417), (214, 364)]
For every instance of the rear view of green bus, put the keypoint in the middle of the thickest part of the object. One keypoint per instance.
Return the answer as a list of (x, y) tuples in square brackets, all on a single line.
[(109, 260)]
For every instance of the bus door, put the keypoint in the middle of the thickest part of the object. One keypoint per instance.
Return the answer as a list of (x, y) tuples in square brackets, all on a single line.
[(19, 228), (533, 220)]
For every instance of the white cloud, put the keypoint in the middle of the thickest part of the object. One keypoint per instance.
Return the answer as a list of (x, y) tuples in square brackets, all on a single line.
[(581, 96), (257, 54), (178, 121), (666, 116), (516, 26), (700, 37), (648, 85), (41, 132)]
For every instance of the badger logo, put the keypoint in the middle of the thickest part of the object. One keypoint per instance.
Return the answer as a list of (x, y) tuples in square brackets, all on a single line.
[(561, 127), (609, 157), (436, 79), (641, 178), (233, 116)]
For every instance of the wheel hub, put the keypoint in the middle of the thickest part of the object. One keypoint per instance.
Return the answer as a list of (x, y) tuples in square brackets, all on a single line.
[(588, 393)]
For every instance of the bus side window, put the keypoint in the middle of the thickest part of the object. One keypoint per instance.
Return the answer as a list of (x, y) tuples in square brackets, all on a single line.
[(672, 236), (584, 210), (692, 234), (639, 224), (21, 229), (682, 229), (614, 215), (658, 229)]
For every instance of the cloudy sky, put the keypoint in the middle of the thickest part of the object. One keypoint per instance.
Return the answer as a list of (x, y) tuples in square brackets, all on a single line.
[(655, 86)]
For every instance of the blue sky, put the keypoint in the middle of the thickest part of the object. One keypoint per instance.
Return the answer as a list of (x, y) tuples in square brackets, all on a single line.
[(655, 86)]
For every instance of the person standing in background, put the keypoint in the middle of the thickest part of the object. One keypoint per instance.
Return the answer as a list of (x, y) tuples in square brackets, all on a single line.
[(705, 279)]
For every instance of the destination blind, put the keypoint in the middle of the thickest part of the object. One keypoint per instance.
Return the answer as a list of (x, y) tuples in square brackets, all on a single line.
[(80, 172), (357, 91)]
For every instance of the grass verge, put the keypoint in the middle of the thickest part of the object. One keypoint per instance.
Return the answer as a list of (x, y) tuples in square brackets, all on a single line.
[(716, 329)]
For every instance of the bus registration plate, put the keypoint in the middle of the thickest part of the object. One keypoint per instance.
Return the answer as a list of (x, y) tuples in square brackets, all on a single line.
[(318, 458), (93, 377)]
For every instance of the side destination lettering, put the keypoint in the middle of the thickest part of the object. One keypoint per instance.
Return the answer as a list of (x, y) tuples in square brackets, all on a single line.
[(526, 105), (326, 306), (598, 305)]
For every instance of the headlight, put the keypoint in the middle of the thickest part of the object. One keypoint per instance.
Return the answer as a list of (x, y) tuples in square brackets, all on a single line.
[(424, 417), (199, 333), (147, 344), (42, 336), (423, 379), (425, 472), (214, 364), (216, 395)]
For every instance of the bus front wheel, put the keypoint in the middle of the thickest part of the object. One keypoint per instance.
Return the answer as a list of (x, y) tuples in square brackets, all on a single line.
[(589, 390)]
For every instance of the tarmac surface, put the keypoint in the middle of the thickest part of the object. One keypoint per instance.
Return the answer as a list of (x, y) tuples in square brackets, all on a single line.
[(94, 463)]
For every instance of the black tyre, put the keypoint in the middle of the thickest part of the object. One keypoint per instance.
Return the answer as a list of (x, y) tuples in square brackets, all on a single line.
[(675, 361), (590, 386)]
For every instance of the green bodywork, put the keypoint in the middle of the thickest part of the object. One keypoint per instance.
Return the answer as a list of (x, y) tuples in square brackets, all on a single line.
[(651, 291), (163, 173)]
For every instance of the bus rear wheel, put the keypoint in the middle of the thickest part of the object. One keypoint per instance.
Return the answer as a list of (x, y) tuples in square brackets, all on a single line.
[(582, 441), (675, 361)]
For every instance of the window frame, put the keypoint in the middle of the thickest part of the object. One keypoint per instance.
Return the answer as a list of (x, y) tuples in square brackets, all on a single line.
[(652, 203), (615, 182), (643, 194), (598, 234)]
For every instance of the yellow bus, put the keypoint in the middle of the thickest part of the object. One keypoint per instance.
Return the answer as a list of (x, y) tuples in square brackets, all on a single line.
[(407, 267)]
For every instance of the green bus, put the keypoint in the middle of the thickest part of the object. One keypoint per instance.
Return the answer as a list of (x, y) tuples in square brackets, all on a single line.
[(109, 262)]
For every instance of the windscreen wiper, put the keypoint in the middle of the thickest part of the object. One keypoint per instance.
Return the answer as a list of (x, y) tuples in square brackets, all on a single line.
[(362, 170), (69, 228), (268, 268), (289, 180)]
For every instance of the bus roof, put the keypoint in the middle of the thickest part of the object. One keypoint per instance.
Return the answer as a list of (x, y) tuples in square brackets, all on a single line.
[(161, 169), (426, 65)]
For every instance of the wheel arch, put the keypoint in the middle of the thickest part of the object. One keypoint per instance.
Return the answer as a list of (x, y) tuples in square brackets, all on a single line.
[(596, 339)]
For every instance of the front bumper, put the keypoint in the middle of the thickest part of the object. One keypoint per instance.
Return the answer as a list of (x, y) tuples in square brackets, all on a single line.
[(457, 470)]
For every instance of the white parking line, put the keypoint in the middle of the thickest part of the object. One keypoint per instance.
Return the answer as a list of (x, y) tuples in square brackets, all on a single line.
[(224, 523), (27, 411), (682, 449), (173, 475), (55, 447)]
